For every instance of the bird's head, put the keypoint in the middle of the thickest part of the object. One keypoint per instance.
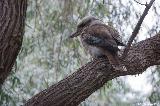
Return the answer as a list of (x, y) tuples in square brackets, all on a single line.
[(86, 21)]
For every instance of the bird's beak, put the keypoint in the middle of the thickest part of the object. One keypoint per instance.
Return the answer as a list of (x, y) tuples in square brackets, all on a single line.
[(74, 34)]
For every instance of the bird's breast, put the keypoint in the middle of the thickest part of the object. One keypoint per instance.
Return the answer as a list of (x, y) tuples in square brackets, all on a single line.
[(95, 51)]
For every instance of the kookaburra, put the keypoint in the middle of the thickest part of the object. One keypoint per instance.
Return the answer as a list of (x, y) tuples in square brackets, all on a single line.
[(99, 39)]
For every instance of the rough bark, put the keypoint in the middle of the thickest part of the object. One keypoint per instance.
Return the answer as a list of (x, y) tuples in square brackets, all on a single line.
[(12, 17), (74, 89)]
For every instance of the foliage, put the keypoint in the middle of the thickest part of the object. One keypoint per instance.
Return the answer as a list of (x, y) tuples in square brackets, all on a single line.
[(47, 55)]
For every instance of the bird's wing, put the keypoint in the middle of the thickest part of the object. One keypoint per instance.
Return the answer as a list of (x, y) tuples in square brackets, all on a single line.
[(115, 35), (98, 35), (108, 31)]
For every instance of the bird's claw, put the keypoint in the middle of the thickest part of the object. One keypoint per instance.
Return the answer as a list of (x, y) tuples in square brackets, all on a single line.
[(119, 67)]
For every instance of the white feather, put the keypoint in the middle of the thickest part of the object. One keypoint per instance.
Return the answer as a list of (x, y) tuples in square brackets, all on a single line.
[(96, 52)]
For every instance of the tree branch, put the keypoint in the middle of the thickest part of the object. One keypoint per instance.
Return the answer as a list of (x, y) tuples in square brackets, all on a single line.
[(140, 3), (136, 29), (74, 89)]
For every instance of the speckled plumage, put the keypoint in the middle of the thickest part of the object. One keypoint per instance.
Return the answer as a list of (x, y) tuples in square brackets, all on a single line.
[(99, 39)]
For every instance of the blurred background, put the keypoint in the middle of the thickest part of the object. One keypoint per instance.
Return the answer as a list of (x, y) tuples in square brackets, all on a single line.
[(47, 55)]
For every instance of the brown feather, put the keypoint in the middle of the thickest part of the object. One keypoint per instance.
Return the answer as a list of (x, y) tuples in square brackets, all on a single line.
[(100, 40), (112, 58)]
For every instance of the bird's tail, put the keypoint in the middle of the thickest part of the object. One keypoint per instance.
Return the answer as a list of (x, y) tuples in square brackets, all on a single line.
[(115, 61)]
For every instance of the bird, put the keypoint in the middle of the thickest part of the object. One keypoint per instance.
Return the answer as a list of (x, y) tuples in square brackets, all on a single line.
[(100, 40)]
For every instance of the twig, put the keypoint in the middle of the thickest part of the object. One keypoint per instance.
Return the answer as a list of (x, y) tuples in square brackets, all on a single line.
[(136, 29), (140, 3)]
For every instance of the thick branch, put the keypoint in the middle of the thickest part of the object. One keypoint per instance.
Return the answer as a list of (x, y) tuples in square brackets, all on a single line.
[(74, 89), (136, 29)]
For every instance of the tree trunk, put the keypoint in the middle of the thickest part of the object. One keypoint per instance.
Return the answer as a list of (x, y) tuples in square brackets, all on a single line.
[(12, 21), (74, 89)]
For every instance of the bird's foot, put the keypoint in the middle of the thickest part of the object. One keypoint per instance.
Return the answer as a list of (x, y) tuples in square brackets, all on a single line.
[(119, 67)]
